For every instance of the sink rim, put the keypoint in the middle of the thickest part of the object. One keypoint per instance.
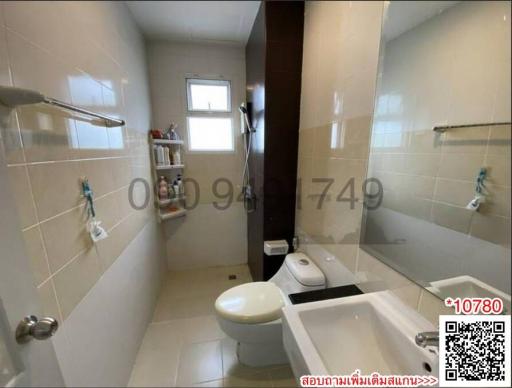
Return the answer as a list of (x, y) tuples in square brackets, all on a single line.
[(405, 319)]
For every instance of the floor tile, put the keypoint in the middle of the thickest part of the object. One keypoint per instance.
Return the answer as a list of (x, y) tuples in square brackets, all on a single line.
[(184, 346), (197, 329), (185, 307), (157, 361), (214, 383), (255, 380), (200, 362), (283, 377)]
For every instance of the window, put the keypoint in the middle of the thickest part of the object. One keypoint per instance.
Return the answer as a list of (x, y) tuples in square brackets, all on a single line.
[(209, 120), (205, 95)]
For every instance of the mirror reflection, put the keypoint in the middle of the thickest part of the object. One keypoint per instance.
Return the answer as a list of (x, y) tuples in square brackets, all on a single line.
[(441, 147)]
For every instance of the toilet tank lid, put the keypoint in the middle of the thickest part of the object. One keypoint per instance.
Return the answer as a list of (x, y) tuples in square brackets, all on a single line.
[(304, 270)]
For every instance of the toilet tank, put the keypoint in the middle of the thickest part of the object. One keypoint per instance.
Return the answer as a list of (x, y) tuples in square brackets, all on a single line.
[(298, 274)]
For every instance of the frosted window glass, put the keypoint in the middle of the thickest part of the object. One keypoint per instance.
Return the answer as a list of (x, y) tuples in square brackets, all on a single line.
[(208, 95), (210, 134)]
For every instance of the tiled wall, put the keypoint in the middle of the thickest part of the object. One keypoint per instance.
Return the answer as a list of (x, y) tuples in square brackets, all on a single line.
[(207, 236), (433, 177), (339, 72), (90, 54)]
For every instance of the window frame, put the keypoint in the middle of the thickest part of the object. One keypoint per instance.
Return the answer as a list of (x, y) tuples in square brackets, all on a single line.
[(207, 81), (206, 113)]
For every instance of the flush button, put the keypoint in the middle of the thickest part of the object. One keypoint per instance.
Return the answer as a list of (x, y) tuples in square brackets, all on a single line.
[(303, 262)]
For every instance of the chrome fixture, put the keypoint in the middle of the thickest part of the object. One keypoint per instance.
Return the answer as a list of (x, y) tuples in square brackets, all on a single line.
[(247, 130), (30, 327), (247, 127), (427, 338), (444, 128), (12, 97)]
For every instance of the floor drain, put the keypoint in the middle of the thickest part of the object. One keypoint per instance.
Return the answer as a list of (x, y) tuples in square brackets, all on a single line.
[(232, 277)]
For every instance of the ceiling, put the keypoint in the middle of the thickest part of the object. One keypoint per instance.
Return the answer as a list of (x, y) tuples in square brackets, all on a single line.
[(200, 21), (401, 16)]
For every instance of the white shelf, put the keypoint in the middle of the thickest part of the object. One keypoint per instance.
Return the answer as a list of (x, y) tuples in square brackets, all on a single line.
[(170, 215), (169, 201), (169, 167), (165, 141)]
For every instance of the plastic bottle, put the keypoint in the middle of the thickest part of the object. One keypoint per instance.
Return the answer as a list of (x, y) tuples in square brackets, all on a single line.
[(176, 157)]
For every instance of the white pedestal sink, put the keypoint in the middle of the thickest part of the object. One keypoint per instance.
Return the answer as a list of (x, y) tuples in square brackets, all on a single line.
[(371, 332)]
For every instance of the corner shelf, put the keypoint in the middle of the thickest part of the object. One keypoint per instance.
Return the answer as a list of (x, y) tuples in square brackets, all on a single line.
[(169, 167), (170, 172), (165, 141), (172, 214), (165, 202)]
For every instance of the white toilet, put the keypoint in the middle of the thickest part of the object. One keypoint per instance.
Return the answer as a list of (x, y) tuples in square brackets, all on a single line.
[(251, 313)]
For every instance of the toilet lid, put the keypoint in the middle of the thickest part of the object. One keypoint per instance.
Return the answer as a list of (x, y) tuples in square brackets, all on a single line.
[(257, 302)]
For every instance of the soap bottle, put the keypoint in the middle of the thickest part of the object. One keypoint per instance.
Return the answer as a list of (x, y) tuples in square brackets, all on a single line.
[(163, 190), (160, 155), (176, 157), (181, 188), (176, 188)]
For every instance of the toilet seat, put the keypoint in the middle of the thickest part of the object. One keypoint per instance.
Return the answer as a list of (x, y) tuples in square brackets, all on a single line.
[(256, 302)]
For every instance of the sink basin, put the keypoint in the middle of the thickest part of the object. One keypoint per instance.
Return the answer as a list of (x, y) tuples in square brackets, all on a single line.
[(467, 287), (371, 332)]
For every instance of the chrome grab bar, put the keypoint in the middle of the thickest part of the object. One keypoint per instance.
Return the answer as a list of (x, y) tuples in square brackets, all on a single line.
[(12, 97), (444, 128)]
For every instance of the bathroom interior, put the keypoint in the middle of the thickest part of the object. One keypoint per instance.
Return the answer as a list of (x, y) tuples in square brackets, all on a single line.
[(241, 193)]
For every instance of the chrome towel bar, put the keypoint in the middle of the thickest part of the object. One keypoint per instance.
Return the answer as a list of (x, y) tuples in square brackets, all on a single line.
[(444, 128), (12, 97)]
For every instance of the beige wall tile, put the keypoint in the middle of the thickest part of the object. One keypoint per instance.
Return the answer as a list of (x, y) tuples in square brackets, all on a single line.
[(452, 217), (36, 254), (498, 169), (373, 275), (10, 135), (306, 142), (65, 236), (56, 187), (24, 57), (108, 210), (110, 248), (421, 164), (460, 167), (5, 77), (491, 228), (47, 134), (497, 201), (499, 140), (343, 138), (454, 192), (430, 306), (48, 300), (121, 172), (122, 198), (100, 175), (414, 206), (22, 195), (423, 142), (466, 140), (74, 281)]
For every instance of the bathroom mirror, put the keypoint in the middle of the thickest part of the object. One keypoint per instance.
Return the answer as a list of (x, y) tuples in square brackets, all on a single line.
[(440, 147)]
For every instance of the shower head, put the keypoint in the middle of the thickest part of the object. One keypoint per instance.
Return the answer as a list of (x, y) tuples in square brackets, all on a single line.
[(247, 128)]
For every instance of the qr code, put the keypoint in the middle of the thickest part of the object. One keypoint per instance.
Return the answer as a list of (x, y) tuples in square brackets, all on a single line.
[(474, 351)]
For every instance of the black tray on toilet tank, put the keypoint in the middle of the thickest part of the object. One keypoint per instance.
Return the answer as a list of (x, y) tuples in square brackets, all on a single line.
[(326, 293)]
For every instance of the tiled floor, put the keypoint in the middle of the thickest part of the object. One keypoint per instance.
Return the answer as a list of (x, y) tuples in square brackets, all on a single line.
[(184, 345)]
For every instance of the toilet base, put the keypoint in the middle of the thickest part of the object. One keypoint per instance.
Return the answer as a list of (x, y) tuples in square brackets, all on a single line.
[(261, 354)]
